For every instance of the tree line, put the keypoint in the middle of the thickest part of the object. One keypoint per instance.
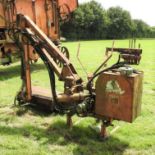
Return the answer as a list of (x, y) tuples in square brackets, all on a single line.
[(92, 21)]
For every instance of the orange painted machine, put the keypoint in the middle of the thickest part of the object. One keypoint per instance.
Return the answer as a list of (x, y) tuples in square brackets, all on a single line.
[(31, 28), (44, 13)]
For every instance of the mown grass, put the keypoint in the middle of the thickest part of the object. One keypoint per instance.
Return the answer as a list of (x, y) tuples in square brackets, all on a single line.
[(25, 131)]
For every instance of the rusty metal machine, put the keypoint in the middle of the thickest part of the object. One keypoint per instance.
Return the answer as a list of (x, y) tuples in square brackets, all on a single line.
[(44, 13), (31, 27)]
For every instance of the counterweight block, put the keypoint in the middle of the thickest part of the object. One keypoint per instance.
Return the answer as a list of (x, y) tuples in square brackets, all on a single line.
[(119, 96)]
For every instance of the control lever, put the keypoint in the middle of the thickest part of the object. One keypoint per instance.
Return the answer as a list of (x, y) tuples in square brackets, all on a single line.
[(78, 58)]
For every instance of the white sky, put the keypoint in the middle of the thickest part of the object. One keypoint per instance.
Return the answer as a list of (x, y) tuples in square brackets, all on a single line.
[(139, 9)]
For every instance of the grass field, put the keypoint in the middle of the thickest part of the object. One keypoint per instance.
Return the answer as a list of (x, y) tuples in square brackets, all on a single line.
[(26, 132)]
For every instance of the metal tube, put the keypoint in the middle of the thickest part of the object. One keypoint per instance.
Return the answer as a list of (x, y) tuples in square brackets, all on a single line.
[(63, 98)]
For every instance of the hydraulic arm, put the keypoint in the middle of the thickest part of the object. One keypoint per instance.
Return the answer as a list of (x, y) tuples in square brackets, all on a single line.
[(48, 52)]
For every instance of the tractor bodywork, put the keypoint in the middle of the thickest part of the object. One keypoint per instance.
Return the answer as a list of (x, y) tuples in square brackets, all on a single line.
[(45, 13)]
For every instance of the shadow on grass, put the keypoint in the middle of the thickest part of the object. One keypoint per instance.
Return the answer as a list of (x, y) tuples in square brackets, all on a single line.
[(43, 112), (87, 142), (9, 72)]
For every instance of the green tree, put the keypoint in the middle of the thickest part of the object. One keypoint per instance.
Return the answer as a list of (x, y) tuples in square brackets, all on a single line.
[(141, 29), (121, 24), (89, 21), (152, 32)]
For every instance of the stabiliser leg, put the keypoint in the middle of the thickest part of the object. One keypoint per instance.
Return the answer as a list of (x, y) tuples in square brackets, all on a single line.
[(69, 121), (104, 133)]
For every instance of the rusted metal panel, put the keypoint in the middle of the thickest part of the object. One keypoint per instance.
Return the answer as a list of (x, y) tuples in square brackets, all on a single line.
[(70, 4), (2, 21), (43, 12), (118, 96), (42, 98)]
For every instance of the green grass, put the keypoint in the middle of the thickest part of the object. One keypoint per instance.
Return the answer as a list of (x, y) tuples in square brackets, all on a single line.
[(23, 131)]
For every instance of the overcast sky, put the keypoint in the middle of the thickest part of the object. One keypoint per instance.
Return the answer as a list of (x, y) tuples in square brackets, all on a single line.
[(139, 9)]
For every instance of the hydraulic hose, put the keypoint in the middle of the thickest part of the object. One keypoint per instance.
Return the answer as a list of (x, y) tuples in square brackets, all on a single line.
[(38, 45), (115, 66)]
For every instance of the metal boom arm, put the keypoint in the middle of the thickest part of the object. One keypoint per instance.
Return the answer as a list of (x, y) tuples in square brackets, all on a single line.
[(68, 72)]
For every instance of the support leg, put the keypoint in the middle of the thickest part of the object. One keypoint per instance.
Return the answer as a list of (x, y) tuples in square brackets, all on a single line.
[(103, 133), (69, 121), (27, 74)]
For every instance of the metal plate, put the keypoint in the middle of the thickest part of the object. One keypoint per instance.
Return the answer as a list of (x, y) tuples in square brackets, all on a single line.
[(119, 97)]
